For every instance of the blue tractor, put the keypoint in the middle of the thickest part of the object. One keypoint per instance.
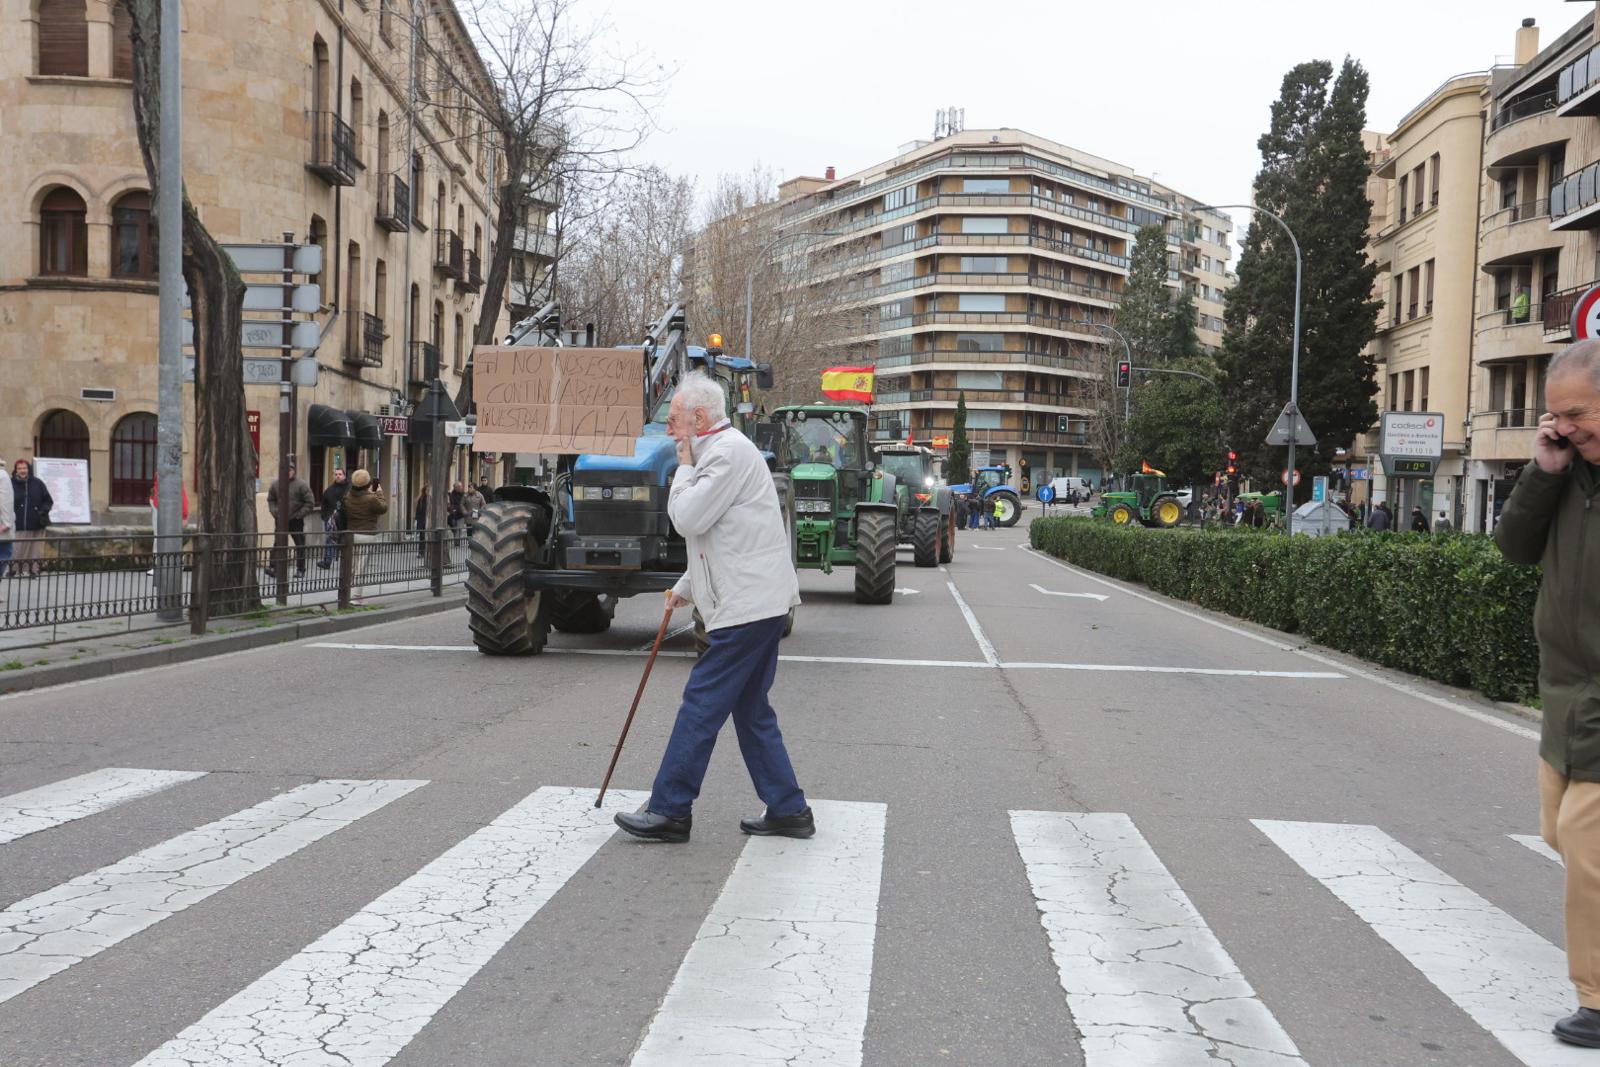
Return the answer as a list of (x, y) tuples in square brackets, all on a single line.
[(990, 485), (564, 554)]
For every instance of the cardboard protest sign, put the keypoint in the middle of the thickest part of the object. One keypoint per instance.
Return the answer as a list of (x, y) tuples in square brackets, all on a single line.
[(558, 399)]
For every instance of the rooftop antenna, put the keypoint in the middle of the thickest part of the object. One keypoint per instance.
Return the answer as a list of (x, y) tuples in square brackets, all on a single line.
[(949, 120)]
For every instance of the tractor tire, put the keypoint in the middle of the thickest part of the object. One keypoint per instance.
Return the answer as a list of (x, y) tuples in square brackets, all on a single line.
[(1166, 512), (1122, 515), (1012, 510), (875, 548), (947, 540), (577, 612), (926, 528), (506, 618)]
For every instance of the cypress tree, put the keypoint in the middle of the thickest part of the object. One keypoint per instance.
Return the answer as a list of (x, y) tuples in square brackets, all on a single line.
[(1144, 314), (958, 468)]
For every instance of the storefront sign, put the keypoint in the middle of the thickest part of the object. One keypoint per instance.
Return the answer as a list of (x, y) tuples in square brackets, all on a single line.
[(557, 400), (252, 419), (394, 425)]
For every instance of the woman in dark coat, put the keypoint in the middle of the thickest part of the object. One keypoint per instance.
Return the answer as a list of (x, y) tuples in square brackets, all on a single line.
[(33, 506)]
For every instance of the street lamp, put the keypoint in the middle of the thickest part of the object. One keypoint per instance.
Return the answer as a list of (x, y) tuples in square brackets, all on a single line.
[(750, 279), (1294, 366)]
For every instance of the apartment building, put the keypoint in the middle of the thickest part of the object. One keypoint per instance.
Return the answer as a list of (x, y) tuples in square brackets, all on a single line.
[(346, 125), (985, 263), (1425, 217)]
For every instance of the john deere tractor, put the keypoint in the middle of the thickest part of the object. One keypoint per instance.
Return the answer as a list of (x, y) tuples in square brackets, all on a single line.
[(1151, 502), (927, 514), (844, 508)]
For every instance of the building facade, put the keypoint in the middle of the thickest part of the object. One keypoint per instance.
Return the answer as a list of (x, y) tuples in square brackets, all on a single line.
[(986, 263), (345, 125)]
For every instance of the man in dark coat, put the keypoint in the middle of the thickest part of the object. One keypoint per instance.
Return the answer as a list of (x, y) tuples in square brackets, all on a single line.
[(1419, 521), (32, 504), (1379, 519), (333, 516), (301, 504)]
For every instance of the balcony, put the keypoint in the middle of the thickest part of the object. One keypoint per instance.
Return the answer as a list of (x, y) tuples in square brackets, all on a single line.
[(1511, 333), (365, 345), (1501, 435), (333, 149), (1010, 435), (389, 24), (1034, 319), (1557, 311), (540, 243), (1029, 240), (1517, 235), (448, 256), (981, 280), (955, 358), (1578, 86), (1522, 129), (472, 281), (394, 203), (1575, 200), (945, 395), (423, 367), (967, 201)]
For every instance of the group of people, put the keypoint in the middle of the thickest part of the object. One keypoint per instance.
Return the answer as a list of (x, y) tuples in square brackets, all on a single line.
[(1378, 518), (464, 504), (972, 510), (25, 505)]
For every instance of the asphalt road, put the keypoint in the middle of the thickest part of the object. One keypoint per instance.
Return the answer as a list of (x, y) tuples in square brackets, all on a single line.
[(1053, 829)]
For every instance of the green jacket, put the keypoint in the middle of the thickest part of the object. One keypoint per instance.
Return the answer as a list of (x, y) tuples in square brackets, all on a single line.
[(1551, 520), (362, 509)]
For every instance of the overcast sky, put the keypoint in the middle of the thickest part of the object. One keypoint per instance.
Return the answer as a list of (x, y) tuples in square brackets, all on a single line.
[(1178, 91)]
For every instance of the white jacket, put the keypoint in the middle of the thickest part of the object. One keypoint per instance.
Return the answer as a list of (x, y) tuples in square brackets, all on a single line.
[(726, 507), (8, 510)]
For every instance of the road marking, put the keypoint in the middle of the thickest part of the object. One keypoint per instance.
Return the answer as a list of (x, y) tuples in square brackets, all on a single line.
[(362, 991), (1145, 978), (70, 799), (1536, 843), (1511, 981), (908, 592), (1357, 672), (49, 932), (987, 548), (781, 969), (1129, 668), (984, 645), (1052, 592)]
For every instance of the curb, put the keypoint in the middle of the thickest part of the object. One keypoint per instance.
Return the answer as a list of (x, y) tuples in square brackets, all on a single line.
[(211, 645)]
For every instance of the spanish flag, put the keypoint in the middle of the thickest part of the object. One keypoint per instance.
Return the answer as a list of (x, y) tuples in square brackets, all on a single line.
[(849, 383), (1145, 468)]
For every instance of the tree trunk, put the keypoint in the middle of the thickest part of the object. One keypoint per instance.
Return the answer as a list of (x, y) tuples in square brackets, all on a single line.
[(226, 460)]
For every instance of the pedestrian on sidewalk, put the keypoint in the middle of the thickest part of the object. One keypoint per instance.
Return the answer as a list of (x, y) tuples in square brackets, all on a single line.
[(8, 524), (977, 508), (1442, 524), (333, 516), (32, 503), (301, 504), (1419, 521), (1546, 522), (155, 523), (742, 581), (472, 504), (419, 520), (1378, 521), (364, 505)]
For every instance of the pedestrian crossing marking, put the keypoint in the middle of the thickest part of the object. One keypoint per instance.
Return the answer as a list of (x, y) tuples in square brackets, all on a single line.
[(1146, 980), (1511, 981), (50, 931), (1536, 843), (781, 969), (362, 991), (71, 799)]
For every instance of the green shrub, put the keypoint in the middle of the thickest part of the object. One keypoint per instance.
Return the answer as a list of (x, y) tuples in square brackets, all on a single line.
[(1447, 607)]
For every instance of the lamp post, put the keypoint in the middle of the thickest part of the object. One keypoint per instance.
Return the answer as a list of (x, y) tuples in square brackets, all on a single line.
[(750, 279), (1294, 365)]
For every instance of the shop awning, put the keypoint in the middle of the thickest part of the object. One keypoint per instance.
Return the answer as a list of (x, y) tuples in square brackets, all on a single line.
[(367, 434), (329, 427)]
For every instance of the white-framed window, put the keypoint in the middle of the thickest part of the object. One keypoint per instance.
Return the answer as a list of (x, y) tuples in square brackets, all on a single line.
[(979, 379), (983, 264), (985, 185), (981, 302), (984, 224), (983, 420)]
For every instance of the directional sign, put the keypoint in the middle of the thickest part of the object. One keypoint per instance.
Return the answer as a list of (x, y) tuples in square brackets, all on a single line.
[(1291, 424), (268, 259), (276, 296), (267, 333), (461, 431), (258, 370)]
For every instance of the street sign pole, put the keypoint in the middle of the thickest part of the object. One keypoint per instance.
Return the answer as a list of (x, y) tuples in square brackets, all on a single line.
[(286, 399), (168, 539)]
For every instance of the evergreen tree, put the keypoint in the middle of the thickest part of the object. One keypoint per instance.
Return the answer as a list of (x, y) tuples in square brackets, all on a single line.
[(1313, 174), (1177, 420), (958, 468), (1144, 314), (1183, 339)]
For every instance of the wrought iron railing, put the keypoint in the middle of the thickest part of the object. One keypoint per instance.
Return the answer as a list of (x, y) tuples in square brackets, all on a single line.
[(333, 149), (447, 253), (424, 363), (394, 203)]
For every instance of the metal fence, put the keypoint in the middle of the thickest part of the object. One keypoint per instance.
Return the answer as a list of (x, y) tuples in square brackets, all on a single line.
[(60, 588)]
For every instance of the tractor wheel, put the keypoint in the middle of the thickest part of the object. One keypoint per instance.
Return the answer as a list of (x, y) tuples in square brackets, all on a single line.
[(875, 545), (947, 540), (1010, 510), (506, 617), (925, 530), (577, 612), (1167, 512), (1122, 515), (701, 640)]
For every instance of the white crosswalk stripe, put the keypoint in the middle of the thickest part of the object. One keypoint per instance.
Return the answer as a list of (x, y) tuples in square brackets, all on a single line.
[(1536, 843), (51, 931), (65, 801), (1510, 980), (1145, 978), (358, 994), (780, 971)]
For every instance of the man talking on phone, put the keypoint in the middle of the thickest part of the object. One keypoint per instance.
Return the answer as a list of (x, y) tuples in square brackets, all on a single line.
[(741, 579), (1551, 520)]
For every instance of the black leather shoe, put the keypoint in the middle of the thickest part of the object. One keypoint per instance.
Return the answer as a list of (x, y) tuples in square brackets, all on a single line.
[(653, 827), (1582, 1027), (768, 825)]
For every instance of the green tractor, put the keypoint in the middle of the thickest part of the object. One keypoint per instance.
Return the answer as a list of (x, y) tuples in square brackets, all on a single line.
[(1150, 502), (1271, 504), (927, 512), (844, 509)]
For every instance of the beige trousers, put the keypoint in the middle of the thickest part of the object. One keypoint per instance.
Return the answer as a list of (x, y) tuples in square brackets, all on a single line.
[(1569, 821), (27, 550)]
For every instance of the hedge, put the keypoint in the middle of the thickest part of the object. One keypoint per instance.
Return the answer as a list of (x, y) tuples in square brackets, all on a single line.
[(1448, 607)]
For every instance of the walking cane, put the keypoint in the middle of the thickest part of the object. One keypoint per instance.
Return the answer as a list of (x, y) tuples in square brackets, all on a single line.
[(666, 617)]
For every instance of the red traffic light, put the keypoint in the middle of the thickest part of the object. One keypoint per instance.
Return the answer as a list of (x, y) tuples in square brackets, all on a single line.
[(1124, 373), (1232, 455)]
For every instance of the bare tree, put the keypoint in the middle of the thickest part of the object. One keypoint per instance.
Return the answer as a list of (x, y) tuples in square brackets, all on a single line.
[(226, 459)]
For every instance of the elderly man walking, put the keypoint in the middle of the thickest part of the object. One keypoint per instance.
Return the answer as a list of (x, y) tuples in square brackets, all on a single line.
[(741, 578), (1551, 520)]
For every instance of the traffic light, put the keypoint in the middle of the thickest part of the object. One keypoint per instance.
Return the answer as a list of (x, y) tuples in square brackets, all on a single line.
[(1233, 462), (1124, 373)]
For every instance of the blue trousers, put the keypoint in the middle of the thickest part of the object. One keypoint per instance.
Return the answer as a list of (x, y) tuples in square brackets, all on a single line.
[(731, 677)]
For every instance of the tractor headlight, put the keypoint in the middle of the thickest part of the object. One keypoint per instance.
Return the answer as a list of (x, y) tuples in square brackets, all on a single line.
[(928, 481), (613, 492), (812, 507)]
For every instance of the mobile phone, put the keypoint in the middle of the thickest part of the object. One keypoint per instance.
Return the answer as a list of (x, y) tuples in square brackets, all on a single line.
[(1561, 442)]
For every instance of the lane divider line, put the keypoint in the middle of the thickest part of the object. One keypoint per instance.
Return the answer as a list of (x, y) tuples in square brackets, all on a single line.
[(989, 655)]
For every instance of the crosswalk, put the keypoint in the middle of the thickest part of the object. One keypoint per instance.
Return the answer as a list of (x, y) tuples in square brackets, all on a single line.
[(780, 970)]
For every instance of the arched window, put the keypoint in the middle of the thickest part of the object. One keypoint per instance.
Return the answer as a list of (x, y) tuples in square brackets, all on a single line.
[(63, 37), (62, 435), (63, 233), (133, 459), (121, 43), (416, 190), (133, 237), (461, 341), (358, 101)]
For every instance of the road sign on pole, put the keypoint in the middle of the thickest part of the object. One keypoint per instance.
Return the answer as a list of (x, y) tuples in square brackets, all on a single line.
[(1290, 424)]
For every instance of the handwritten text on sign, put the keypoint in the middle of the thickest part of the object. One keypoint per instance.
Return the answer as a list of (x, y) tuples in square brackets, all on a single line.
[(557, 399)]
